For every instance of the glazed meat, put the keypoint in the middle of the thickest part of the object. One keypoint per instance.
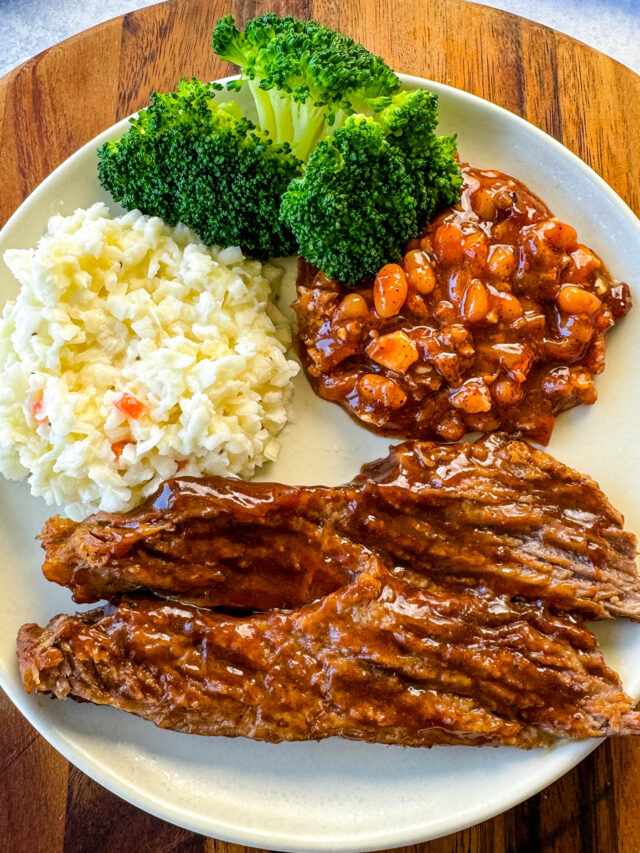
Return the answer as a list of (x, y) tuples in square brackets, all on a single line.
[(212, 541), (496, 515), (390, 658), (495, 319)]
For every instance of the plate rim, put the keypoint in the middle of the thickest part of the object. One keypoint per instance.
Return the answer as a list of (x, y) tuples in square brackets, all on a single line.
[(568, 755)]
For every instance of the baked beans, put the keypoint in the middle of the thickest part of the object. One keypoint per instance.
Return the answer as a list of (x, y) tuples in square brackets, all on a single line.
[(495, 318)]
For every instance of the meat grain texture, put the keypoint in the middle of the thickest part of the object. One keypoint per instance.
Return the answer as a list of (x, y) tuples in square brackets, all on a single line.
[(496, 513), (438, 598)]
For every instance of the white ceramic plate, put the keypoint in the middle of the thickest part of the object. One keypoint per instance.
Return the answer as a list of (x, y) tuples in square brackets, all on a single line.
[(338, 795)]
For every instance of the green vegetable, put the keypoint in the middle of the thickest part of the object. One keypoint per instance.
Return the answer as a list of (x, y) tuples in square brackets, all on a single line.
[(304, 77), (356, 205), (371, 186), (344, 166), (189, 159), (409, 123)]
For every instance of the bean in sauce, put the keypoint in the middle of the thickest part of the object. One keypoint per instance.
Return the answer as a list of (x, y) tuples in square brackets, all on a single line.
[(495, 318)]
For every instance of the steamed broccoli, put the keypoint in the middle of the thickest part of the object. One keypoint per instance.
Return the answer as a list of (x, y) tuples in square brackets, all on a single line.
[(409, 123), (304, 77), (189, 159), (307, 81), (356, 205), (371, 186), (344, 165)]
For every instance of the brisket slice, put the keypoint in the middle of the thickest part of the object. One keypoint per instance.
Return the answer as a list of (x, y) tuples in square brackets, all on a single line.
[(502, 514), (211, 542), (496, 514), (390, 657)]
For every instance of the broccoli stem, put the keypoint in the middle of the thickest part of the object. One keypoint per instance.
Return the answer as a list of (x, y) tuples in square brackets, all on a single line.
[(264, 107), (300, 123), (309, 126), (282, 108)]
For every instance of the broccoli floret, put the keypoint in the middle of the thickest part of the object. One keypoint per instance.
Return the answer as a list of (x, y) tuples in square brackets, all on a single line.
[(344, 166), (356, 206), (188, 159), (305, 78), (443, 171), (371, 186), (409, 123)]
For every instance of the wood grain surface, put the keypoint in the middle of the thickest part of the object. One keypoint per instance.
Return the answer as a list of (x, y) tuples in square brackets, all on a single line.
[(52, 104)]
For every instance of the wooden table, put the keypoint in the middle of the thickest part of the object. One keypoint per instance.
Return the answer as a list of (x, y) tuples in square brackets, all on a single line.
[(57, 101)]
